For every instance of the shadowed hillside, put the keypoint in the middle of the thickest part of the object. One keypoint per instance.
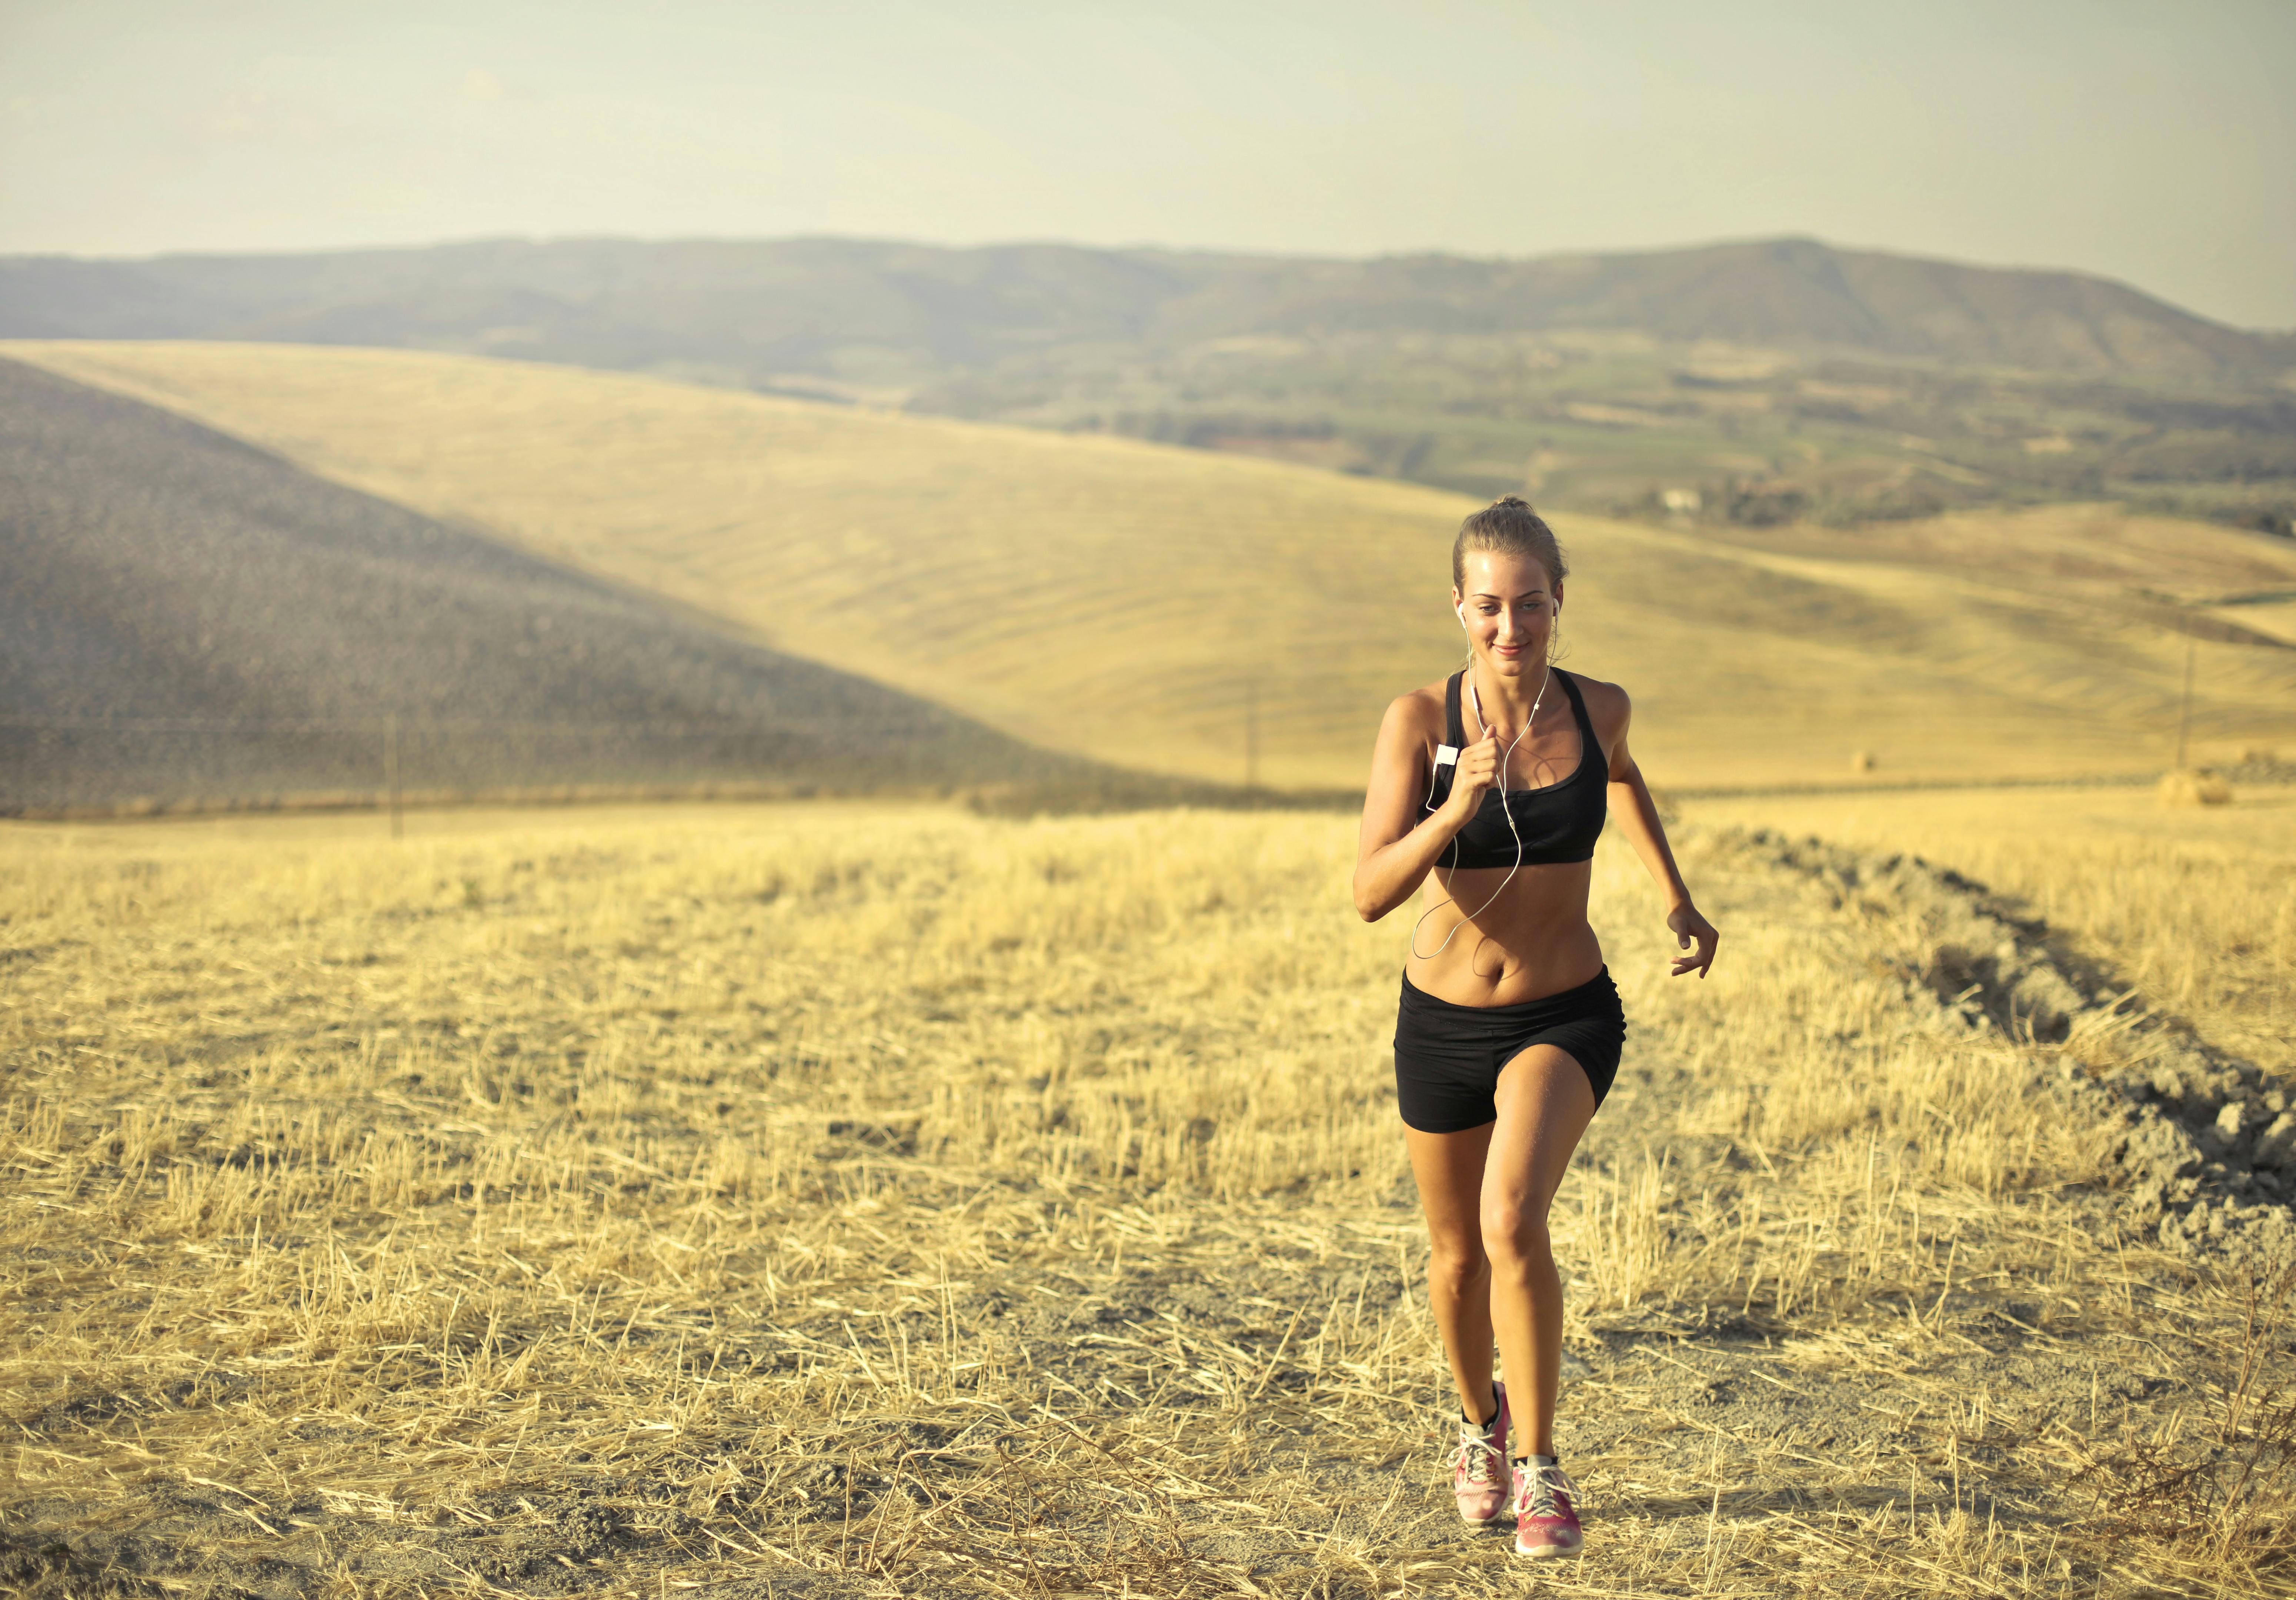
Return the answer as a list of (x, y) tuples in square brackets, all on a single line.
[(1148, 606), (186, 617)]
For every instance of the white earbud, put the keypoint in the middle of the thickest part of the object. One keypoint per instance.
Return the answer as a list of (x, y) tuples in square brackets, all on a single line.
[(1462, 611)]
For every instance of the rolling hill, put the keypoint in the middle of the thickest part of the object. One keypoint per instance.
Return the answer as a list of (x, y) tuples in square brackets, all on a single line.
[(1138, 605), (185, 618), (1762, 380)]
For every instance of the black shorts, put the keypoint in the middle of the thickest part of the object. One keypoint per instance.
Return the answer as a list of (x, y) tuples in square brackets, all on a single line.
[(1448, 1057)]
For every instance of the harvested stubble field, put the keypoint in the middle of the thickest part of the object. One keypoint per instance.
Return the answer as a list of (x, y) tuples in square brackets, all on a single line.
[(868, 1201)]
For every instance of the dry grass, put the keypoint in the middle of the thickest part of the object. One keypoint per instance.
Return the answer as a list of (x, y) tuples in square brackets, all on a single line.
[(859, 1201), (1119, 598), (2195, 908)]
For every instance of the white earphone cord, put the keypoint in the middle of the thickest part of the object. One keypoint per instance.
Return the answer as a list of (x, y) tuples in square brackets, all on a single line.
[(1449, 900)]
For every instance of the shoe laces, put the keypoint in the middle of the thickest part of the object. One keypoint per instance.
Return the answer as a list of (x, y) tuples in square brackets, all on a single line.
[(1539, 1488), (1477, 1460)]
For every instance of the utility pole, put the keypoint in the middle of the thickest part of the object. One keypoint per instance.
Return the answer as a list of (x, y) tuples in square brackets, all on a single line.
[(1252, 734), (2184, 716), (390, 767)]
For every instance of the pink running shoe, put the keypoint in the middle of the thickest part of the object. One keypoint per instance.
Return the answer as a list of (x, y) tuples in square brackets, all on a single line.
[(1479, 1471), (1545, 1510)]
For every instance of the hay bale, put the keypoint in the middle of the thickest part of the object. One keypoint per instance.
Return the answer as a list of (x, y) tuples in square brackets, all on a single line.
[(1861, 760), (2194, 786)]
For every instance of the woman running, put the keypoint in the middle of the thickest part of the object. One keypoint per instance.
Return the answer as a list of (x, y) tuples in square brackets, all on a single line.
[(1496, 782)]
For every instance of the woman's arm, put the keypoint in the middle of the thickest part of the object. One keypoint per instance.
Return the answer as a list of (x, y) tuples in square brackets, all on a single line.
[(1637, 814), (1397, 846)]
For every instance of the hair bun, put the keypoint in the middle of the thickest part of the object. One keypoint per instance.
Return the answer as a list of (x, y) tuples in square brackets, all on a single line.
[(1507, 523)]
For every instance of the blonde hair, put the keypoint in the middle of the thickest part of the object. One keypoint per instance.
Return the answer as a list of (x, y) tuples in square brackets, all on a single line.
[(1508, 525)]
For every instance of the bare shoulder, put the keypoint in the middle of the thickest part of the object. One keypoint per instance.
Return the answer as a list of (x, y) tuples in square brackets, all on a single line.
[(1407, 737), (1419, 713), (1607, 704)]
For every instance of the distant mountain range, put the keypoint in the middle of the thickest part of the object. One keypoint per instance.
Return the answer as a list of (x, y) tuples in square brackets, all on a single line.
[(904, 314)]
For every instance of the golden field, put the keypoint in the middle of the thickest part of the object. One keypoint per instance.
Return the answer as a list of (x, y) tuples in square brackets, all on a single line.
[(875, 1200), (1128, 600)]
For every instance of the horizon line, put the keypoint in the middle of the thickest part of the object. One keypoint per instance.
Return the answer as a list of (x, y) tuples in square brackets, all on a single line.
[(545, 241)]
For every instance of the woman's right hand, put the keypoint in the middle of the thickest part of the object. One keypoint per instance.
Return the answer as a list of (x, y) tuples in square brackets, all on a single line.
[(1477, 775)]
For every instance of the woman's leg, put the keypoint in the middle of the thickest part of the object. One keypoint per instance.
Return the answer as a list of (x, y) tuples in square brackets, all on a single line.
[(1545, 1104), (1449, 1168)]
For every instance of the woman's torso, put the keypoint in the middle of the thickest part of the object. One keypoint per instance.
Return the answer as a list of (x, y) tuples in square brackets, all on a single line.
[(1533, 938)]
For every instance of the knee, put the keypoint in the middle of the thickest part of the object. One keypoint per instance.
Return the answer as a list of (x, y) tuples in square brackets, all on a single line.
[(1457, 1265), (1514, 1235)]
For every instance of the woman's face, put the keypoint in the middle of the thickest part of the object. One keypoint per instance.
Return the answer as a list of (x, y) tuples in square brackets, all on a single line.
[(1508, 603)]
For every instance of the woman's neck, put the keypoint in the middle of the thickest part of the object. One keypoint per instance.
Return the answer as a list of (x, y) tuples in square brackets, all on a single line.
[(1508, 701)]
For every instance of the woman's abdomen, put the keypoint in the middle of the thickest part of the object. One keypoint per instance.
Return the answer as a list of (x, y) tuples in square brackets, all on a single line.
[(1533, 942)]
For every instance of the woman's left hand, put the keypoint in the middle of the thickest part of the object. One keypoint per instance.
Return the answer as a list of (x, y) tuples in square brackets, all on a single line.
[(1691, 929)]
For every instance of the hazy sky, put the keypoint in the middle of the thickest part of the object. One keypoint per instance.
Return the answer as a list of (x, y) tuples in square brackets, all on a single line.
[(2153, 143)]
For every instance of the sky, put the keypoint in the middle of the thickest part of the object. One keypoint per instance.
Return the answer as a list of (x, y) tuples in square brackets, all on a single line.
[(2149, 143)]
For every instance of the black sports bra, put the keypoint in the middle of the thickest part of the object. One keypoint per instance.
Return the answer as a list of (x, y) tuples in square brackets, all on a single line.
[(1559, 823)]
